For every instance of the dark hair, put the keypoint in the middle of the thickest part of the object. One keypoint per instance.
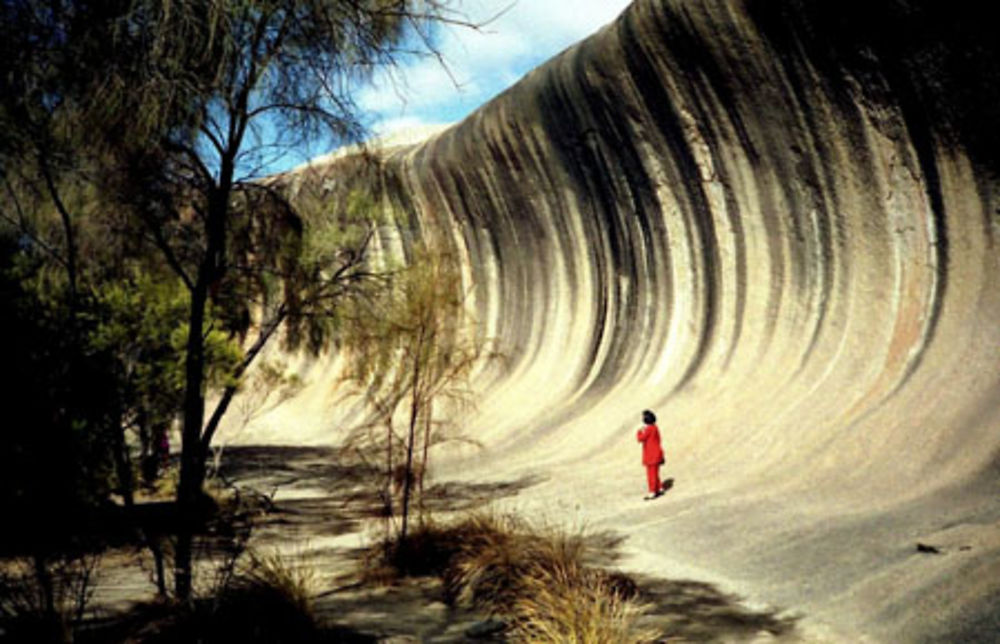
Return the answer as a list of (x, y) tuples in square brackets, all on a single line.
[(648, 417)]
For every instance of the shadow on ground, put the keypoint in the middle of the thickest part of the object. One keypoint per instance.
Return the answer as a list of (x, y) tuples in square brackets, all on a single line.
[(311, 492), (694, 611), (452, 496), (680, 611), (159, 623), (337, 498), (412, 609), (273, 466)]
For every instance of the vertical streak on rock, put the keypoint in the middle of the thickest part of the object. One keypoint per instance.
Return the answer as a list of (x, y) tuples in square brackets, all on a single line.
[(732, 210), (684, 175), (922, 140)]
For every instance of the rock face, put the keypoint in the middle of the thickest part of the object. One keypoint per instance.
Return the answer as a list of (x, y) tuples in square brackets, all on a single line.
[(775, 224)]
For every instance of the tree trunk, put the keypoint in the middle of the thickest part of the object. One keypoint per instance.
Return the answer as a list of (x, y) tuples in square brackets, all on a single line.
[(44, 578), (67, 223), (123, 466), (156, 547), (388, 482), (146, 456), (414, 413), (428, 413), (408, 471), (192, 468), (267, 330), (193, 452)]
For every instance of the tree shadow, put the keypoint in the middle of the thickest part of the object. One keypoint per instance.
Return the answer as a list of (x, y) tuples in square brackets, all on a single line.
[(338, 495), (679, 610), (283, 466), (454, 496), (603, 548), (331, 497), (695, 611), (166, 623), (408, 608)]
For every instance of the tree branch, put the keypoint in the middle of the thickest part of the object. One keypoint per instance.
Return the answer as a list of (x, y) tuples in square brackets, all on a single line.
[(168, 254), (66, 222), (230, 391), (206, 130), (22, 229), (20, 223), (198, 165)]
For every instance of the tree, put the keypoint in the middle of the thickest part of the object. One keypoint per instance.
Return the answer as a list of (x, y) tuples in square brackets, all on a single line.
[(281, 67), (167, 110), (138, 325), (412, 349), (56, 465)]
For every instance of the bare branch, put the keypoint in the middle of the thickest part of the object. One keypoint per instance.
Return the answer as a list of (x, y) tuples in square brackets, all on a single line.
[(23, 230), (266, 331), (213, 138), (168, 253), (67, 222), (197, 164)]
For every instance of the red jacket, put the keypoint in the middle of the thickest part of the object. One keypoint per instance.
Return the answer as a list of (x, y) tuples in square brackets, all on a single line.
[(652, 451)]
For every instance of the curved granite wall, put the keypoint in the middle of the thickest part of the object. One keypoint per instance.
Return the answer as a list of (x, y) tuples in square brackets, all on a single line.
[(776, 225), (693, 210)]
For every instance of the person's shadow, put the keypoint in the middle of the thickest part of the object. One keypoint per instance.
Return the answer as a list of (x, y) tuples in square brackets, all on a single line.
[(667, 484)]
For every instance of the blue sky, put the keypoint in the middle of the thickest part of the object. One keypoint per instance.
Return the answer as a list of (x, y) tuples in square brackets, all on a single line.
[(516, 37), (482, 63)]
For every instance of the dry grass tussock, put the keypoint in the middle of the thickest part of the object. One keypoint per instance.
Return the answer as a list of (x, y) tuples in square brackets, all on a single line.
[(576, 606), (268, 598), (537, 579), (288, 578), (45, 601)]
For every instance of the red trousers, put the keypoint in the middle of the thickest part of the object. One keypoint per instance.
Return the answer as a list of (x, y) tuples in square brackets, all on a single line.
[(653, 478)]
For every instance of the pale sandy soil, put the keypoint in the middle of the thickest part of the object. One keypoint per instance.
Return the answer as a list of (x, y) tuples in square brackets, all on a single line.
[(322, 519)]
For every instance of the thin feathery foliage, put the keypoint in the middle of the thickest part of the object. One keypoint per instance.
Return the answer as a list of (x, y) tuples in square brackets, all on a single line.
[(412, 351), (140, 130)]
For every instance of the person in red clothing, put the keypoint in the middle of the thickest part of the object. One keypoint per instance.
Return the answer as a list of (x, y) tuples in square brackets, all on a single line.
[(652, 453)]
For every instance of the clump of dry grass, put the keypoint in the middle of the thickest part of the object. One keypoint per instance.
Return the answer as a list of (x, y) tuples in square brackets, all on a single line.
[(499, 554), (45, 600), (267, 599), (275, 575), (580, 606), (537, 579)]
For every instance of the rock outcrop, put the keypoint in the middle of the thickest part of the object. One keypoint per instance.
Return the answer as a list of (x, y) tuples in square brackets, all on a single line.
[(775, 224)]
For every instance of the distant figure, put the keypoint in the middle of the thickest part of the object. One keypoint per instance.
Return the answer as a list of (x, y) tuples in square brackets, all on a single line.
[(652, 453), (163, 449)]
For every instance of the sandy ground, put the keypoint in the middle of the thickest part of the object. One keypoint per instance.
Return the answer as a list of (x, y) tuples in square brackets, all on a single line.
[(322, 519)]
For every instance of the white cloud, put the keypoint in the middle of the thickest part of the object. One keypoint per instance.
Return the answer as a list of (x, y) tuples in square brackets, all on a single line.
[(542, 26), (481, 63), (417, 85)]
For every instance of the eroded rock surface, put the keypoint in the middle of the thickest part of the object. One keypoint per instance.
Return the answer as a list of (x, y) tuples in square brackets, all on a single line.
[(774, 223)]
